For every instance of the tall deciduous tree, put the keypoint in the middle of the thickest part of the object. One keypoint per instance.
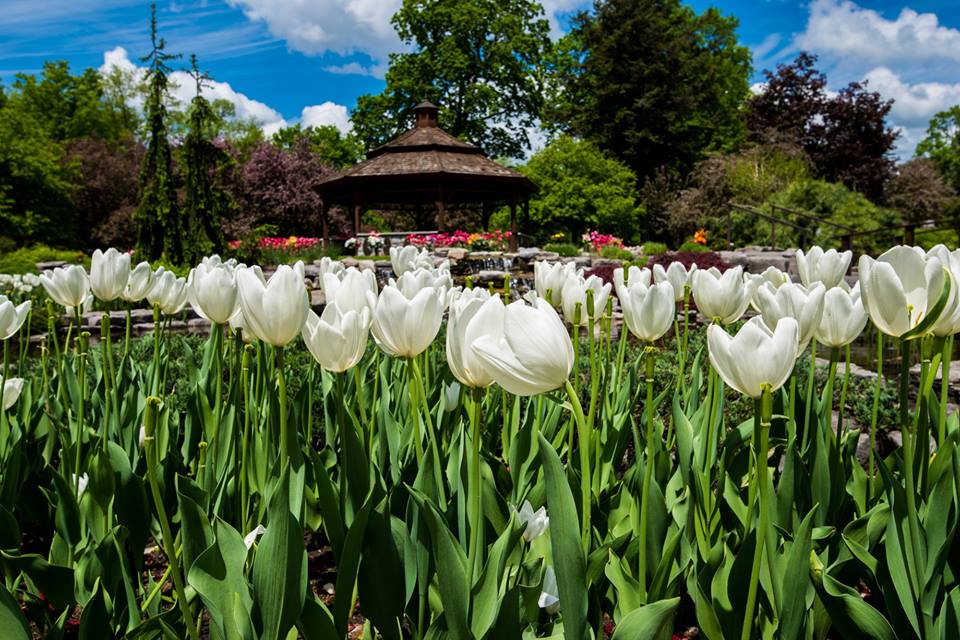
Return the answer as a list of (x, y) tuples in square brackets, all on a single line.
[(652, 81), (918, 190), (479, 60), (160, 226), (334, 148), (942, 144), (205, 204), (845, 135)]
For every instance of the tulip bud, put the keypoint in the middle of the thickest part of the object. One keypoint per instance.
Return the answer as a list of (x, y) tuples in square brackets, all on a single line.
[(109, 273)]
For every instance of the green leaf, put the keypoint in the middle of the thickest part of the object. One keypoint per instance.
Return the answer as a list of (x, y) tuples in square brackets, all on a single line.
[(793, 587), (852, 617), (451, 569), (280, 566), (11, 619), (95, 619), (651, 622), (54, 581), (217, 575), (316, 621), (197, 533), (568, 555), (347, 566)]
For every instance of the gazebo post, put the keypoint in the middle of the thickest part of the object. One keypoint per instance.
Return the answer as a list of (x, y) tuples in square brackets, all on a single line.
[(324, 211), (441, 210), (513, 225)]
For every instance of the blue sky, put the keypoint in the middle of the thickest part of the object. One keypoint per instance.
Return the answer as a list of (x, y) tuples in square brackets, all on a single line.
[(284, 61)]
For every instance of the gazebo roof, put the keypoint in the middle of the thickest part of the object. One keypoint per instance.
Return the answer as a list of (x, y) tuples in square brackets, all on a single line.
[(411, 168)]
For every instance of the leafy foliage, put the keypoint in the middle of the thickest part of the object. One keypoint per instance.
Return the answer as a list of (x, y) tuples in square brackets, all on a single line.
[(479, 60), (942, 144), (581, 187), (846, 136), (653, 82)]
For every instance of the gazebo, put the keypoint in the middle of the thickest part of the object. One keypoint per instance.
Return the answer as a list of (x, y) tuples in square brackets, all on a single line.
[(427, 167)]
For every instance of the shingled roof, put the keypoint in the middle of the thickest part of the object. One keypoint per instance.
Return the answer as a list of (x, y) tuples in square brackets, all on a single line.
[(425, 158)]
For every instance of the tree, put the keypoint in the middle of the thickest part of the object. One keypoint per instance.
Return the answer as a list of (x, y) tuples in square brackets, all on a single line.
[(205, 204), (918, 191), (845, 136), (581, 188), (334, 148), (942, 144), (477, 59), (160, 227), (653, 82), (280, 188)]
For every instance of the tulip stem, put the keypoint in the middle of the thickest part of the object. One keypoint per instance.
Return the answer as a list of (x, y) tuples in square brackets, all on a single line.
[(584, 447), (169, 547), (875, 411), (414, 412), (285, 443), (81, 409), (760, 476), (908, 461), (686, 324), (843, 390), (105, 370), (476, 524), (431, 433), (811, 398), (126, 337), (245, 441), (828, 410), (946, 356), (650, 350), (156, 350)]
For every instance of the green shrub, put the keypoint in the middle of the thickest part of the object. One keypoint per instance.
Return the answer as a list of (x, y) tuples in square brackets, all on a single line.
[(693, 247), (25, 260), (615, 253), (564, 249), (654, 248)]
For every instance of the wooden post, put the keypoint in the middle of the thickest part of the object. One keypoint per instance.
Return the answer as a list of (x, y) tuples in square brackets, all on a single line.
[(846, 242), (513, 226), (324, 211), (441, 210), (908, 233), (773, 234)]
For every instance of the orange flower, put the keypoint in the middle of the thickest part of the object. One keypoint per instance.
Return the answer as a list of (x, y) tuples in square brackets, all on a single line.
[(700, 237)]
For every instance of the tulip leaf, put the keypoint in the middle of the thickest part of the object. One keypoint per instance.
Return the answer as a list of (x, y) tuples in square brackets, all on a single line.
[(651, 622), (280, 566), (11, 619), (197, 532), (95, 619), (383, 600), (568, 557), (852, 617), (316, 621), (217, 575), (347, 566), (54, 581), (793, 608), (451, 569)]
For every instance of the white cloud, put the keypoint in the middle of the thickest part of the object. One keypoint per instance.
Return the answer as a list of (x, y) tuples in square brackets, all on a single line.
[(327, 113), (183, 89), (914, 104), (349, 27), (844, 28), (344, 27)]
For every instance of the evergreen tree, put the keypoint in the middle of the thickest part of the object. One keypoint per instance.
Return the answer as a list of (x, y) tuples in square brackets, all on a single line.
[(158, 218), (205, 203)]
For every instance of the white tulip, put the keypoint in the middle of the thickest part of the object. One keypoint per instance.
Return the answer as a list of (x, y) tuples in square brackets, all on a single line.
[(68, 285), (212, 290), (843, 317), (11, 391), (451, 396), (525, 348), (274, 311), (793, 301), (770, 276), (409, 258), (648, 310), (80, 484), (413, 281), (537, 521), (251, 537), (901, 289), (551, 277), (142, 436), (949, 321), (827, 267), (465, 365), (630, 277), (722, 297), (336, 338), (328, 265), (139, 283), (168, 291), (575, 290), (239, 323), (405, 326), (109, 273), (349, 288), (756, 356), (12, 316), (677, 275), (549, 593)]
